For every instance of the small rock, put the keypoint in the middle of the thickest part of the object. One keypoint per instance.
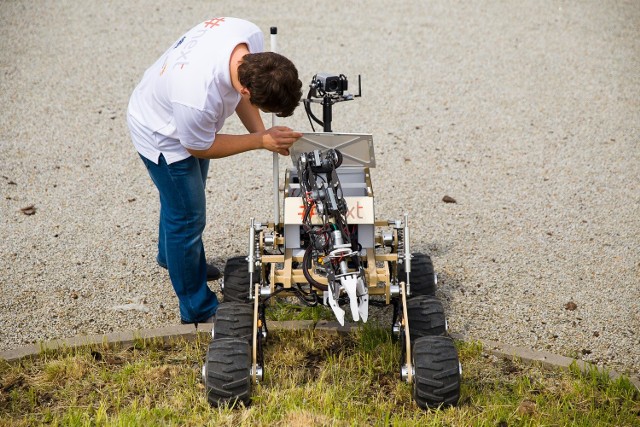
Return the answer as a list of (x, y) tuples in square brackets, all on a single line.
[(449, 199), (571, 306), (74, 295), (29, 210)]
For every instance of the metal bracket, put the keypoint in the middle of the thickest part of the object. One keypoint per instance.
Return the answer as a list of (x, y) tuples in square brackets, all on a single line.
[(407, 371)]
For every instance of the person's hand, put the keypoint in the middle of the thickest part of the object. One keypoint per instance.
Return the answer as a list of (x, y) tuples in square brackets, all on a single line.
[(279, 138)]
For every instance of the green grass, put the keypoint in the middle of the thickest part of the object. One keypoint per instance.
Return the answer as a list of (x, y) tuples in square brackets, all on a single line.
[(311, 379), (280, 310)]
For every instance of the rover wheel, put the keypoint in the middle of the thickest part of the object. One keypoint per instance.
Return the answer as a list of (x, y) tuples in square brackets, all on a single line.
[(233, 320), (423, 277), (436, 380), (227, 372), (236, 279), (426, 317)]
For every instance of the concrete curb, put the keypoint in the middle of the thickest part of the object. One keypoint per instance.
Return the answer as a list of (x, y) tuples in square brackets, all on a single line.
[(543, 358), (190, 332)]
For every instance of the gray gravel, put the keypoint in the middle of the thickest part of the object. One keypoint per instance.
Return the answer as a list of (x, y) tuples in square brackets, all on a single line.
[(527, 113)]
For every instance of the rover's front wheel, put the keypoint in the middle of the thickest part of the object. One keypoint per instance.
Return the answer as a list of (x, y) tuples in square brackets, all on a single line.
[(436, 381), (227, 372)]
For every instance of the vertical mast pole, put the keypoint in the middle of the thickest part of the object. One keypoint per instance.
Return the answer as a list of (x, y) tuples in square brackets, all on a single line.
[(276, 161)]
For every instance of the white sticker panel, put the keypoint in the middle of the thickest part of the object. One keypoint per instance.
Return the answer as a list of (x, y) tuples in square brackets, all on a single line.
[(359, 211)]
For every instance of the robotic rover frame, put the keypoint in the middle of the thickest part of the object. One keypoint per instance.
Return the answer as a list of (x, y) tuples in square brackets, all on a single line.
[(330, 249)]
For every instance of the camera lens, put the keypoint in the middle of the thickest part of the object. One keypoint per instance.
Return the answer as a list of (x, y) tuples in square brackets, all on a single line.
[(332, 85)]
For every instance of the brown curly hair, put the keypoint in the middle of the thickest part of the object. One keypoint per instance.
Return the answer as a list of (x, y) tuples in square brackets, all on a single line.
[(272, 81)]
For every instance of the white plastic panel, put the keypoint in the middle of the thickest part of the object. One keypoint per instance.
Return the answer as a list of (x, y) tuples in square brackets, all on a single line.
[(356, 148)]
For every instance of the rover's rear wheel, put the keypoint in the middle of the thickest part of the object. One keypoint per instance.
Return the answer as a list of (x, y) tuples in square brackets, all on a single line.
[(236, 285), (423, 277)]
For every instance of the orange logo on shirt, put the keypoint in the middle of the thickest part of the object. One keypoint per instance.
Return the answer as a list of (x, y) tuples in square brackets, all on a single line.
[(186, 45), (215, 22)]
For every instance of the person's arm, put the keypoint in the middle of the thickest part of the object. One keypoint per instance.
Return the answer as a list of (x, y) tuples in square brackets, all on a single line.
[(277, 139), (194, 126)]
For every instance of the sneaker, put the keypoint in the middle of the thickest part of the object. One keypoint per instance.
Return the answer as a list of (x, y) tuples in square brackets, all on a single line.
[(209, 320), (213, 273)]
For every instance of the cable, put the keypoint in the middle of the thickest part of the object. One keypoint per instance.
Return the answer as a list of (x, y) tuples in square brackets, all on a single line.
[(306, 264), (302, 296), (310, 115)]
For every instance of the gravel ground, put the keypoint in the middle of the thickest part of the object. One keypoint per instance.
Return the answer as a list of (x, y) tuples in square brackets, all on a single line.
[(527, 113)]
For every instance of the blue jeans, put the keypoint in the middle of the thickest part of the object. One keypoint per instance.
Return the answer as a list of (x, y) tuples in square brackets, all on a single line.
[(182, 220)]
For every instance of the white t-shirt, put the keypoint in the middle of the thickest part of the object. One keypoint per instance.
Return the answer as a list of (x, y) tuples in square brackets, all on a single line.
[(186, 95)]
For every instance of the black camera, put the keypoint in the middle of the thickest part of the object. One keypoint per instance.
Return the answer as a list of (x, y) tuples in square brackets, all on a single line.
[(328, 83), (327, 89)]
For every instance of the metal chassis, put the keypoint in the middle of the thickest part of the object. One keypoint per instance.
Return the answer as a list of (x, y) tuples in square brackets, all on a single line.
[(381, 273)]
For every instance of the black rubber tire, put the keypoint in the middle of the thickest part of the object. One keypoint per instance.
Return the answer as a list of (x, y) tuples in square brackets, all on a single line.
[(437, 372), (228, 372), (233, 320), (423, 276), (236, 279), (426, 317)]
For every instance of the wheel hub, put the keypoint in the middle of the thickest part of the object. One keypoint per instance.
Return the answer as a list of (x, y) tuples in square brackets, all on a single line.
[(259, 373), (404, 372)]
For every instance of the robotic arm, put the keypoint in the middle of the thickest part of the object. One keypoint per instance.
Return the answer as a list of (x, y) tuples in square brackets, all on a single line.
[(329, 240)]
